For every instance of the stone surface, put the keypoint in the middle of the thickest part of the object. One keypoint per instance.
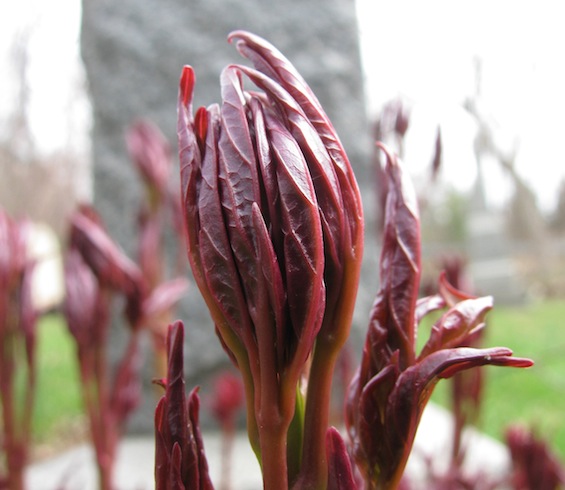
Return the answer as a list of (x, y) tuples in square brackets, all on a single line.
[(134, 52), (75, 469)]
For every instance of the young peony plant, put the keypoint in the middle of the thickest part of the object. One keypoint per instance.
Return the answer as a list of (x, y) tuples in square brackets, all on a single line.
[(394, 383), (18, 360), (95, 270), (275, 237), (274, 227), (180, 463)]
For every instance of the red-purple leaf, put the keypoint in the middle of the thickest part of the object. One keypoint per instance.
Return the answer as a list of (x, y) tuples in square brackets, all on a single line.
[(302, 231), (162, 457), (163, 297), (176, 417), (455, 325), (112, 267), (275, 65), (337, 242), (450, 293), (412, 390), (190, 166), (267, 59), (175, 472), (180, 462), (238, 168), (150, 152), (193, 413), (215, 254), (340, 474), (400, 263), (85, 307), (427, 305), (267, 307)]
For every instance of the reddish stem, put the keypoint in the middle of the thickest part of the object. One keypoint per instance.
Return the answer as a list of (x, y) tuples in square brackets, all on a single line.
[(314, 468), (273, 452)]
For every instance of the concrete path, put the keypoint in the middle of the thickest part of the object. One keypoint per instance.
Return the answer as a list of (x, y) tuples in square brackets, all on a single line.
[(75, 470)]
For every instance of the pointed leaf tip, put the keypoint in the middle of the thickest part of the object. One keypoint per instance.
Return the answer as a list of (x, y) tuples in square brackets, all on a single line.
[(385, 149), (201, 125), (340, 473), (187, 80), (240, 35)]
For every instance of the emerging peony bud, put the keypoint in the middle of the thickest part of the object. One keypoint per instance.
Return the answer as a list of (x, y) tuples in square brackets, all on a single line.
[(85, 309), (180, 463), (107, 261), (151, 155), (274, 226), (111, 266)]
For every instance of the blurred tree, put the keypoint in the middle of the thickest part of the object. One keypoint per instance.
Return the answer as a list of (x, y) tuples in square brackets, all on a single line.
[(558, 215), (40, 187), (524, 218)]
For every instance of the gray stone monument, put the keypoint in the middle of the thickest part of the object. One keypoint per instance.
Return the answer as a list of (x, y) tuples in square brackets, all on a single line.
[(134, 52)]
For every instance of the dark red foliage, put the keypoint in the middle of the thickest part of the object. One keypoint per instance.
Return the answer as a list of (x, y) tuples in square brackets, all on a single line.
[(274, 229), (180, 462), (534, 466), (340, 472), (18, 318), (95, 270), (107, 261), (85, 306), (274, 236), (394, 383), (151, 155)]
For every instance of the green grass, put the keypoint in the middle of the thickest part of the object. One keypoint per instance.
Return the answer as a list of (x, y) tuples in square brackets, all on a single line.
[(58, 403), (534, 396)]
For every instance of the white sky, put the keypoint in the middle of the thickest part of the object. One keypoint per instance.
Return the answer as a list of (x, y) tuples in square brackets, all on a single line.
[(59, 112), (424, 51), (421, 50)]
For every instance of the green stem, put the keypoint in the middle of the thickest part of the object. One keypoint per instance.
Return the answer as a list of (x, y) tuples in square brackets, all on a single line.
[(252, 429), (242, 357), (295, 437), (314, 469)]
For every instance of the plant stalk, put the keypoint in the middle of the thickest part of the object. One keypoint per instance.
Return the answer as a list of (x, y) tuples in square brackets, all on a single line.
[(273, 458), (314, 468)]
